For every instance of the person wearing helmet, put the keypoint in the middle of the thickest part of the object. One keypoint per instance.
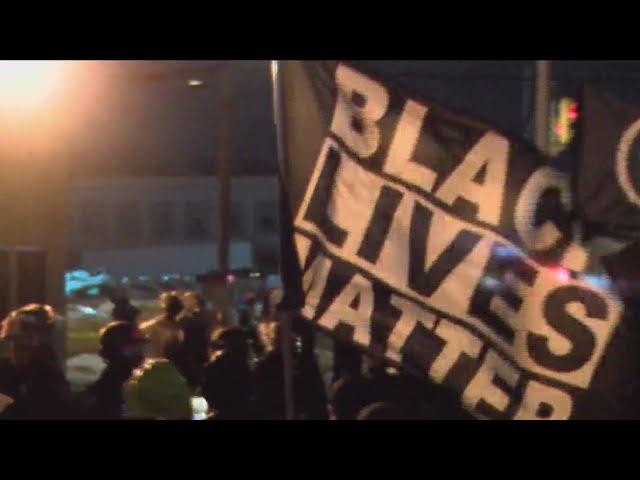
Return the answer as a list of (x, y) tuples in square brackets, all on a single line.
[(163, 332), (33, 377), (122, 348), (157, 391)]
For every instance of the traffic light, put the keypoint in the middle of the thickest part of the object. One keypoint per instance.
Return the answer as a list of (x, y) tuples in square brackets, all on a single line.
[(564, 116), (567, 114)]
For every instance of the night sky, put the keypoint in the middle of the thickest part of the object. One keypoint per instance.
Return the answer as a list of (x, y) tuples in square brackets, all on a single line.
[(148, 121), (143, 118)]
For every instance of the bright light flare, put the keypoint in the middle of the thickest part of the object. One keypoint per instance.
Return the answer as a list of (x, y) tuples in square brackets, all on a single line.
[(490, 282), (598, 281), (562, 274), (26, 85)]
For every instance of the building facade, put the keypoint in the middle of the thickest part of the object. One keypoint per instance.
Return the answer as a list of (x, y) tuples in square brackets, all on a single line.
[(137, 226)]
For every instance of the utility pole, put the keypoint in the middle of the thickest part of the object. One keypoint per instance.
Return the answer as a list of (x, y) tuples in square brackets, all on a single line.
[(285, 320), (543, 83), (225, 115), (224, 168)]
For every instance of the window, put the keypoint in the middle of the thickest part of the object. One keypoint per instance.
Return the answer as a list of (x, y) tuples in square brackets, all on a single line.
[(266, 218), (163, 221), (94, 222), (197, 220), (266, 258), (236, 217), (129, 221)]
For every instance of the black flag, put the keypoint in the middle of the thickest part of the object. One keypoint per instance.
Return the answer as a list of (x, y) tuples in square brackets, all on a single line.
[(608, 169), (441, 245)]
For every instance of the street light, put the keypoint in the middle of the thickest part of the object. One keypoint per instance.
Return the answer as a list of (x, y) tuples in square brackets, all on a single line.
[(33, 178), (26, 85)]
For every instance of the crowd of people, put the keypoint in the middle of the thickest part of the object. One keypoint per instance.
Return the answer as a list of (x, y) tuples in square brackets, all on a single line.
[(162, 368)]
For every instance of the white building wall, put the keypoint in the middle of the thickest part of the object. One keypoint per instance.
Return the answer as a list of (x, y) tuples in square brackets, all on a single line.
[(120, 224), (165, 260)]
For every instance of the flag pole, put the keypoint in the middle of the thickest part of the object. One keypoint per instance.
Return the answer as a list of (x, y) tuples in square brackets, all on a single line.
[(543, 83), (285, 319)]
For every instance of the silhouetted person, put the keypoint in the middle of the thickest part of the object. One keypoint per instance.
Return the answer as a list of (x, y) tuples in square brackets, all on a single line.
[(350, 395), (266, 331), (249, 324), (377, 385), (311, 392), (164, 334), (308, 387), (415, 396), (227, 384), (124, 311), (196, 326), (347, 360), (122, 347), (33, 377)]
